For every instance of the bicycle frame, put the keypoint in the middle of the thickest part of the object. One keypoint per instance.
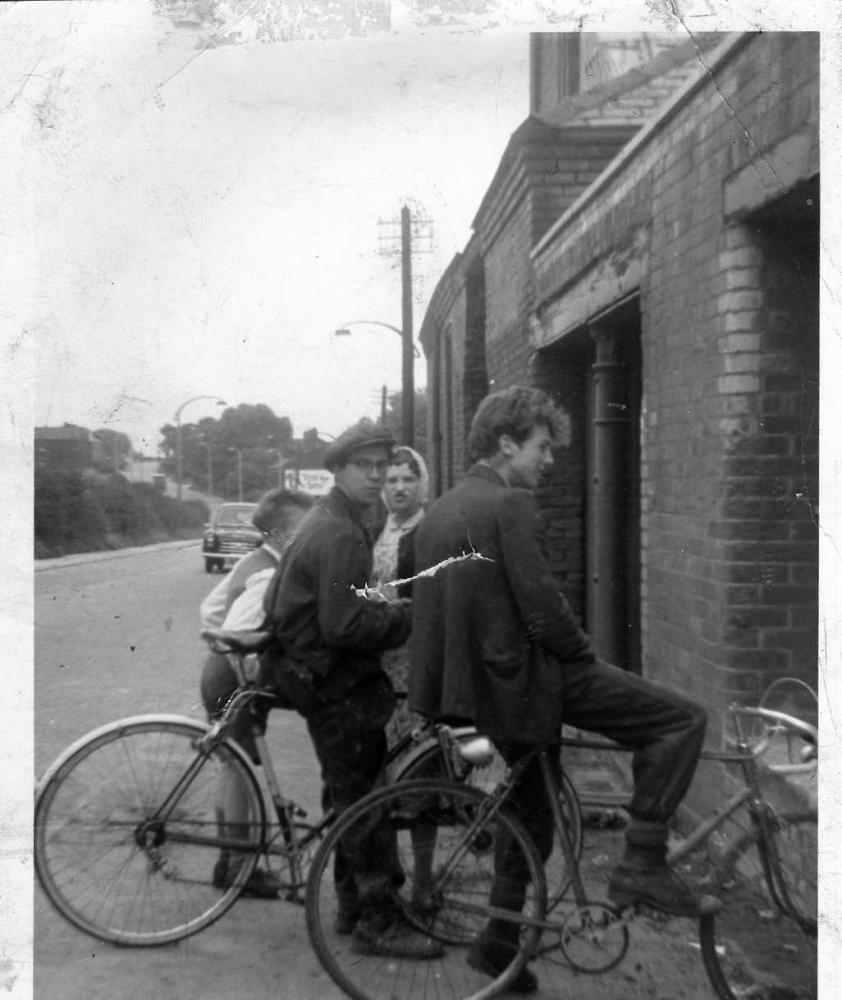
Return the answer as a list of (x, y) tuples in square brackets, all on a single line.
[(283, 838), (751, 795)]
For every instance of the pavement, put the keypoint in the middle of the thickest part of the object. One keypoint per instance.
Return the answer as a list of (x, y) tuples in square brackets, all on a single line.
[(78, 558)]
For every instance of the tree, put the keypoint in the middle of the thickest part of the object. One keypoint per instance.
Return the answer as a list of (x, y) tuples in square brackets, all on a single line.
[(209, 450)]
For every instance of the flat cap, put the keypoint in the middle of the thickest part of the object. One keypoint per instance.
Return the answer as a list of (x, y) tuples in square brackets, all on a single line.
[(360, 436)]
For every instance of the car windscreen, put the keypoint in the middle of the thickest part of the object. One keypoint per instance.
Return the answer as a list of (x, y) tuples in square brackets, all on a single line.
[(239, 517)]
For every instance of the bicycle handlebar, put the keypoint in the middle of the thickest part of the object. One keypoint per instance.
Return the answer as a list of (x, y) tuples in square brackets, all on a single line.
[(798, 727)]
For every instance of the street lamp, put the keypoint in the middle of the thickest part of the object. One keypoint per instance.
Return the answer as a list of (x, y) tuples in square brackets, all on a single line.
[(408, 373), (239, 452), (281, 464), (219, 402), (207, 444)]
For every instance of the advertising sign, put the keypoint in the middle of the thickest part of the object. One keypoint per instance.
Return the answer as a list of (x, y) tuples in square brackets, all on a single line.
[(317, 482)]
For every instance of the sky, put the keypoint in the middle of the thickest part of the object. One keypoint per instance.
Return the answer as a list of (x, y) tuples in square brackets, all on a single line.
[(201, 223), (198, 222)]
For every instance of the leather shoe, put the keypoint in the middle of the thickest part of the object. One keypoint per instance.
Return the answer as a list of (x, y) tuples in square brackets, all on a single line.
[(261, 884), (659, 888), (426, 903), (397, 939), (480, 958)]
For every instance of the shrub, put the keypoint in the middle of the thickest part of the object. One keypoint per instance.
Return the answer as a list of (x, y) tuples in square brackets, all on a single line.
[(88, 512)]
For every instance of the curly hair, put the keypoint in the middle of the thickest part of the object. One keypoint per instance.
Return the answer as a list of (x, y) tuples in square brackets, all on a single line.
[(514, 411)]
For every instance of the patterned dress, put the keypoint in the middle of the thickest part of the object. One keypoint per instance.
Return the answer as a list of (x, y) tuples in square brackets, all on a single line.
[(395, 661)]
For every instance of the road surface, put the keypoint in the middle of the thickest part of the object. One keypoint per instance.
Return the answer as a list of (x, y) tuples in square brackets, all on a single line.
[(118, 636)]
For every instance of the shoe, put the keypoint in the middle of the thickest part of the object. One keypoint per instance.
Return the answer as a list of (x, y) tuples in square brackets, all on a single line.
[(426, 902), (261, 884), (346, 920), (479, 958), (396, 939), (659, 888)]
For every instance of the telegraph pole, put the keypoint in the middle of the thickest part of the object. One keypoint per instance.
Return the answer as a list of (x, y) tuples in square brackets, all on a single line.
[(408, 379), (423, 230)]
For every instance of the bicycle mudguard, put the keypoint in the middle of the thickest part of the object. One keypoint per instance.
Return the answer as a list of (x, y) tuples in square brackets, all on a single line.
[(202, 728)]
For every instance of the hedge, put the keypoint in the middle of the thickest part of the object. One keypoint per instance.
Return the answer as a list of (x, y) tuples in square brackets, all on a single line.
[(89, 512)]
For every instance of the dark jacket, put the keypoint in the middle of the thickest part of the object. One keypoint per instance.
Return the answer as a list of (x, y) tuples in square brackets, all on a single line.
[(490, 637), (406, 562), (318, 620)]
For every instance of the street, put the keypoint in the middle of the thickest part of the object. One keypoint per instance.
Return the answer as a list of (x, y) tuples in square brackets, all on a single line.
[(118, 636)]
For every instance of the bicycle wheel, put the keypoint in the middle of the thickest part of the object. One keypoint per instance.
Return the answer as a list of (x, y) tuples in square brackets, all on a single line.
[(427, 763), (454, 867), (762, 944), (128, 854)]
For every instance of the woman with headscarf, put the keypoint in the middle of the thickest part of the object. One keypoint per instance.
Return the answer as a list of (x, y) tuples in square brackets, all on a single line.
[(405, 497)]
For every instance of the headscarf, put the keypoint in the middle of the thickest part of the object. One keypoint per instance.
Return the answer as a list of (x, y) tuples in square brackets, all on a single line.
[(423, 475)]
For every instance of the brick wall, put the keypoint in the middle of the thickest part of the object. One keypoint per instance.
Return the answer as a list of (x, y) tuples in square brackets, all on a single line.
[(552, 168), (728, 344)]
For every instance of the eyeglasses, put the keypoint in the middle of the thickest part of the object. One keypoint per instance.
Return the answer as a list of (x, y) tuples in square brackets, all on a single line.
[(366, 466)]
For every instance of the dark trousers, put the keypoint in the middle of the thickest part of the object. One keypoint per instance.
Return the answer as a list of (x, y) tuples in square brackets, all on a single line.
[(350, 742), (667, 732)]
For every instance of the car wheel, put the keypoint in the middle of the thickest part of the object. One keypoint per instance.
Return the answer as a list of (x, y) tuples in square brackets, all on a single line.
[(209, 565)]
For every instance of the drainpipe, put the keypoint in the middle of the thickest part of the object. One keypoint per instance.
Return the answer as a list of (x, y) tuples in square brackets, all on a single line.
[(606, 590)]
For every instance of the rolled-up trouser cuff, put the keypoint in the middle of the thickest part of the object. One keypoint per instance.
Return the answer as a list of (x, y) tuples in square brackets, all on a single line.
[(642, 833)]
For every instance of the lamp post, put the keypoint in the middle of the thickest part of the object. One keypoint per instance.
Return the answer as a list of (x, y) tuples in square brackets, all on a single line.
[(281, 463), (407, 375), (210, 467), (219, 402), (239, 452)]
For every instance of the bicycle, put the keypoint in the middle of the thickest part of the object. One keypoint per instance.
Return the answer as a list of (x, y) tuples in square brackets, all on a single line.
[(563, 925), (128, 821)]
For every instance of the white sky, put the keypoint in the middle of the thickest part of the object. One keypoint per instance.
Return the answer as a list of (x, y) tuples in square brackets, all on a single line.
[(207, 234)]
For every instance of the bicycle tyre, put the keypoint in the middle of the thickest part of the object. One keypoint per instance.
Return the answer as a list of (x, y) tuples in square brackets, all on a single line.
[(463, 905), (426, 763), (89, 810), (762, 943)]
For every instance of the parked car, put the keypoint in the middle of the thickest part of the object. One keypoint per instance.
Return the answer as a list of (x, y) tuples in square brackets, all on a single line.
[(230, 535)]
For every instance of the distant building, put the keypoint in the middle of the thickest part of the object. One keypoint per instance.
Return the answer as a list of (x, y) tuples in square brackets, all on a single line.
[(69, 448)]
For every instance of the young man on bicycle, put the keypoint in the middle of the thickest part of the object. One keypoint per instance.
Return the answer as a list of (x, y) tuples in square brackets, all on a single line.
[(494, 642), (237, 604), (329, 641)]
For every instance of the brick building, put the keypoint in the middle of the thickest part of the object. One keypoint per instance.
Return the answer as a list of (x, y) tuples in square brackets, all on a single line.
[(648, 253), (69, 448)]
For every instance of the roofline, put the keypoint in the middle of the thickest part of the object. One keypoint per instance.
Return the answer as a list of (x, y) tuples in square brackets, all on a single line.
[(720, 55)]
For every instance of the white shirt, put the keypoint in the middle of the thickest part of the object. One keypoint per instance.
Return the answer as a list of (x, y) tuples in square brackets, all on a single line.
[(247, 610)]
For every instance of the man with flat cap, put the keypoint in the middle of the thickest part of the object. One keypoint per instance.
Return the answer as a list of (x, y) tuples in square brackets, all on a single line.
[(330, 639)]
